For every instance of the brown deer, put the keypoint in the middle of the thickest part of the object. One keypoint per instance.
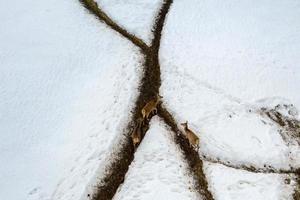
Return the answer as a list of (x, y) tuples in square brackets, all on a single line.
[(136, 134), (191, 136), (150, 107)]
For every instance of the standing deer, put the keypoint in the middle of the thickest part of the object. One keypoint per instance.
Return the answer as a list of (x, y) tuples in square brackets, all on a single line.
[(191, 136), (150, 107), (136, 134)]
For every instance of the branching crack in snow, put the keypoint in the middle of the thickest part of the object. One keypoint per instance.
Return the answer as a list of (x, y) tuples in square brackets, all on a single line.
[(117, 168), (250, 168)]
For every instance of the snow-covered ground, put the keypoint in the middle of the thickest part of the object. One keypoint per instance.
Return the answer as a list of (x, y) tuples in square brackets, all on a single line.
[(248, 51), (158, 170), (232, 184), (224, 60), (67, 86), (68, 83)]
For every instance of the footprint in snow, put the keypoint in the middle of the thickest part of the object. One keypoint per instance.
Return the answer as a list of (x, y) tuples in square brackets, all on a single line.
[(34, 191), (85, 172), (241, 185)]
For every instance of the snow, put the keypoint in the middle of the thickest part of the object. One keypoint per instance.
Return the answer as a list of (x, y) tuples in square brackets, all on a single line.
[(245, 137), (231, 184), (158, 170), (248, 50), (67, 86), (137, 17), (222, 61)]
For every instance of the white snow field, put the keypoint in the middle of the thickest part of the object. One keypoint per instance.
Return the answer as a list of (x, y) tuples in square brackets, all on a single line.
[(158, 170), (67, 85), (221, 62), (135, 16), (232, 184)]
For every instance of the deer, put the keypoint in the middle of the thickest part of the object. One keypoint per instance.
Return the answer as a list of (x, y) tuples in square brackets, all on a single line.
[(191, 136), (136, 134), (150, 107)]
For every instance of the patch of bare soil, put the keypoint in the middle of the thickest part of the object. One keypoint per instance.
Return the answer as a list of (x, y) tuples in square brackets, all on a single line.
[(289, 128)]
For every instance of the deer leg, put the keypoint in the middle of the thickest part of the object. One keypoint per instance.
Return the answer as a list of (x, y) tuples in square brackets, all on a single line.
[(143, 115), (155, 111), (134, 145), (196, 148)]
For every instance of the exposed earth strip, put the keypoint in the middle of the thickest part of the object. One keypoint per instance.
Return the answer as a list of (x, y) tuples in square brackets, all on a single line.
[(149, 88)]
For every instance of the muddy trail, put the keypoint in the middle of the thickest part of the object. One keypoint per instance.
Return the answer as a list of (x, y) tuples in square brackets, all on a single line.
[(117, 168)]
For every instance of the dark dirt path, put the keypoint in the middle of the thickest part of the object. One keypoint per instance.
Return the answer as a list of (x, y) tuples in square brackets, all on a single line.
[(149, 88)]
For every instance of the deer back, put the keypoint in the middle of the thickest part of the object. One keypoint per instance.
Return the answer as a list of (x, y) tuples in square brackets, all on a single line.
[(150, 105), (192, 137)]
